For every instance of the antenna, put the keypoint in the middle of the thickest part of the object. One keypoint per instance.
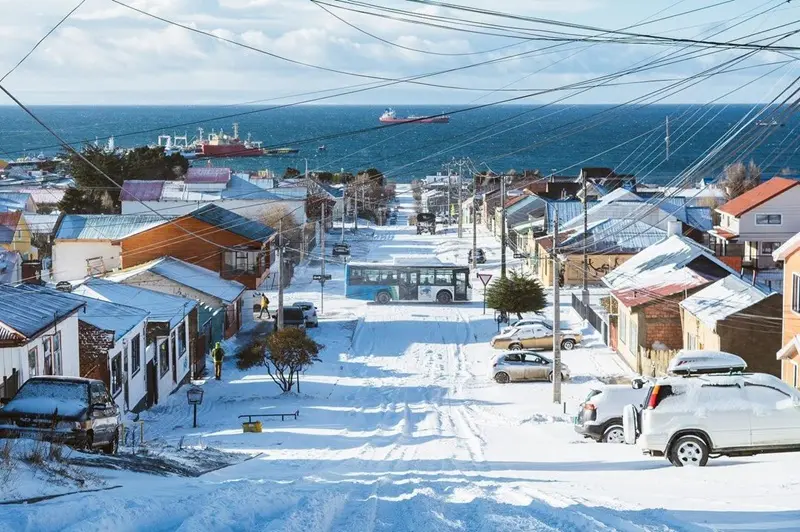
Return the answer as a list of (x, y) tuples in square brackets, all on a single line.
[(666, 139), (236, 130)]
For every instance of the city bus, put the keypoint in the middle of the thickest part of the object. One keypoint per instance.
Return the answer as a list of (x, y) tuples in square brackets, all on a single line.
[(407, 280)]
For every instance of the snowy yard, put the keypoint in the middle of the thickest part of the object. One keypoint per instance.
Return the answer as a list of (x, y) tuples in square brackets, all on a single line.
[(400, 428)]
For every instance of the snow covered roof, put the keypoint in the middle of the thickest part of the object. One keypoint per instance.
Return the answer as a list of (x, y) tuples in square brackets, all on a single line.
[(187, 274), (45, 195), (200, 174), (237, 187), (723, 298), (161, 307), (105, 315), (25, 313), (41, 223), (615, 236), (788, 247), (105, 226), (663, 269)]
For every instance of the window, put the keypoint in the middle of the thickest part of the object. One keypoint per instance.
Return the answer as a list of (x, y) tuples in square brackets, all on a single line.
[(764, 395), (444, 277), (33, 362), (691, 341), (388, 277), (796, 292), (116, 374), (243, 261), (513, 358), (356, 275), (769, 219), (163, 357), (427, 277), (768, 247), (136, 354), (182, 337), (172, 346), (59, 370), (623, 328), (47, 345), (98, 393), (794, 375), (634, 335), (371, 276)]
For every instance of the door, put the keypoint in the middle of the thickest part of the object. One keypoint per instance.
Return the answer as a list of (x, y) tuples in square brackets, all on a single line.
[(408, 286), (152, 383), (721, 414), (125, 377), (102, 409), (774, 417), (543, 338), (461, 286), (525, 337), (536, 368), (513, 365)]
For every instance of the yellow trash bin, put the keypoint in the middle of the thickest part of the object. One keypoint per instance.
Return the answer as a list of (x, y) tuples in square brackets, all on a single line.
[(254, 426)]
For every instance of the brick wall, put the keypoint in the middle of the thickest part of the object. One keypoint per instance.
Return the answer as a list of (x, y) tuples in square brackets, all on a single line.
[(93, 346), (662, 324)]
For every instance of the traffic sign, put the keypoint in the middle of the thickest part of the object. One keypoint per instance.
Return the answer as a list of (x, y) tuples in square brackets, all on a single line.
[(319, 277), (485, 278)]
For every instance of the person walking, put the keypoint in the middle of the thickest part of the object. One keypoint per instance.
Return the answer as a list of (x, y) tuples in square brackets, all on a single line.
[(264, 305), (217, 355)]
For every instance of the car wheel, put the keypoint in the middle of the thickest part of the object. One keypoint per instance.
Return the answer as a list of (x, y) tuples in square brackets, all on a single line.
[(383, 298), (614, 434), (568, 344), (689, 451), (502, 378), (113, 446), (550, 377), (88, 442), (515, 347), (444, 297)]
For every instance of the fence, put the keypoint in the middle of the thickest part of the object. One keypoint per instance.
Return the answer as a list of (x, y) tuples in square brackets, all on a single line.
[(10, 384), (588, 313), (654, 363)]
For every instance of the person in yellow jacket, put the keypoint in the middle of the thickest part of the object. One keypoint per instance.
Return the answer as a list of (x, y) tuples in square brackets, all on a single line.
[(264, 305), (217, 355)]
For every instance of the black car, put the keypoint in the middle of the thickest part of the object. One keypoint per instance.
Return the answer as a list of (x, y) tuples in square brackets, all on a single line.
[(480, 256), (341, 248), (71, 410), (292, 317)]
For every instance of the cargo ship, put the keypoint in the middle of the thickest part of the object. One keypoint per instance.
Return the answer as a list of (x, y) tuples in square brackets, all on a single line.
[(389, 116), (222, 145)]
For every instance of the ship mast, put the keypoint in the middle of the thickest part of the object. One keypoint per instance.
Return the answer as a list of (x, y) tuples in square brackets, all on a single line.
[(236, 130)]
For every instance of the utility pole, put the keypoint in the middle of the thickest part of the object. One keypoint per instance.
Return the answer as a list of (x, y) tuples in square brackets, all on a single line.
[(460, 182), (503, 227), (474, 219), (666, 139), (449, 185), (556, 316), (355, 209), (322, 279), (344, 208), (585, 293), (280, 275)]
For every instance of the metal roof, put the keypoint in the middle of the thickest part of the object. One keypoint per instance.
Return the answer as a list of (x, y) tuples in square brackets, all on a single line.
[(41, 223), (567, 210), (9, 221), (25, 313), (161, 307), (15, 199), (208, 175), (756, 196), (232, 222), (105, 226), (722, 299), (699, 218), (45, 195), (141, 190), (618, 236)]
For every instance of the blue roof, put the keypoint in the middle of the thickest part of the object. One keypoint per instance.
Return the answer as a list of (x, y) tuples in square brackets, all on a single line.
[(14, 200), (331, 190), (25, 313), (700, 218), (567, 210), (105, 226), (232, 222), (616, 236), (239, 188), (161, 307)]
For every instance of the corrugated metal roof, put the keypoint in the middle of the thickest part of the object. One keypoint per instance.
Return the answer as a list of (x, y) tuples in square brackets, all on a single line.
[(25, 313), (105, 226), (137, 190), (334, 192), (633, 297), (755, 197), (18, 200), (699, 218), (162, 307), (567, 210), (41, 223), (722, 299), (615, 236), (232, 222), (8, 226), (208, 175), (104, 315), (45, 195)]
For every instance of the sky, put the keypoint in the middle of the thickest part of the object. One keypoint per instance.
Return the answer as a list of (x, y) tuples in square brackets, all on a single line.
[(108, 54)]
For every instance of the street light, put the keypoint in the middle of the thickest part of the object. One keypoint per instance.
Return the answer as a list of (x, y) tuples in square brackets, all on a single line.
[(195, 397)]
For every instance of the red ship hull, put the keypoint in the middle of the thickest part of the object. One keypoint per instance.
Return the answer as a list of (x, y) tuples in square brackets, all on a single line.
[(228, 150), (426, 120)]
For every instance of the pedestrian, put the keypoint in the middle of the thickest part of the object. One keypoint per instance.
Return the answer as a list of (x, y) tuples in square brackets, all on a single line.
[(217, 354), (264, 305)]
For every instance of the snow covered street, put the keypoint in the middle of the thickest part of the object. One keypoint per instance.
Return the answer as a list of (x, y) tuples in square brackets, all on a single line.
[(401, 428)]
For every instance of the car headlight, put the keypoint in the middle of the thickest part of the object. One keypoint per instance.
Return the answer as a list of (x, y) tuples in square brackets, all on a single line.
[(68, 425)]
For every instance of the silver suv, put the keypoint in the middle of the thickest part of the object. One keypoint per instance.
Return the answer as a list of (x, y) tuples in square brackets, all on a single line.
[(516, 366), (600, 414)]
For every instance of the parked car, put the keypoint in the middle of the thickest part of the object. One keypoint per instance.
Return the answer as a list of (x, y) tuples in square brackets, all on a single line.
[(310, 312), (514, 366), (691, 417), (532, 321), (292, 317), (534, 336), (480, 256), (341, 248), (600, 414), (71, 410)]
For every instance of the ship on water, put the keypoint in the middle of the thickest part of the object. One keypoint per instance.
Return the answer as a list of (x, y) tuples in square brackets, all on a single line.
[(218, 144), (389, 116)]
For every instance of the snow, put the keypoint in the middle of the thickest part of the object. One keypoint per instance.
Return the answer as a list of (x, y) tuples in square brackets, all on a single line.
[(724, 298), (400, 429)]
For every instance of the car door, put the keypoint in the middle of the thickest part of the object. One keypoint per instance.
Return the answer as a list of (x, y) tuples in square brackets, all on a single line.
[(536, 368), (100, 412), (774, 416), (526, 337), (720, 409), (512, 364), (543, 337)]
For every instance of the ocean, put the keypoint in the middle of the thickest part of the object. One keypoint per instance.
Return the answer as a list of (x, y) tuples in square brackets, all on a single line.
[(558, 139)]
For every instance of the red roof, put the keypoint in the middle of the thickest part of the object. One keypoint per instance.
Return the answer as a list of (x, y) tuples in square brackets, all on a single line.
[(208, 175), (141, 190), (515, 200), (10, 219), (755, 197), (633, 297), (723, 233)]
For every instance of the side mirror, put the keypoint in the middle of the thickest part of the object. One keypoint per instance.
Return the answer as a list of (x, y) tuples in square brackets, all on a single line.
[(637, 384)]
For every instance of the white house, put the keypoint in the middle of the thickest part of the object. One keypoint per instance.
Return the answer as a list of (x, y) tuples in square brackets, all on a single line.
[(38, 335), (249, 196), (89, 244), (170, 332)]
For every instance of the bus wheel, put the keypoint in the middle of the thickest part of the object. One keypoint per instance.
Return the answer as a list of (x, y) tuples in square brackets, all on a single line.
[(444, 297), (383, 298)]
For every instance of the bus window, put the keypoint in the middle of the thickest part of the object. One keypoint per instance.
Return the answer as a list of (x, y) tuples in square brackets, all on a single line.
[(356, 275), (371, 276), (388, 277), (444, 277), (426, 277)]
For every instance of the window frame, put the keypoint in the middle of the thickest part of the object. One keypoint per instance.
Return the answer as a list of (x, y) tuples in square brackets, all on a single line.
[(623, 328), (116, 374), (796, 292), (35, 367), (136, 354), (163, 357), (47, 350), (761, 246), (58, 362), (768, 215), (181, 334)]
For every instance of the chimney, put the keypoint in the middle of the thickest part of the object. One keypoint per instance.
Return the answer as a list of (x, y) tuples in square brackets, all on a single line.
[(674, 228)]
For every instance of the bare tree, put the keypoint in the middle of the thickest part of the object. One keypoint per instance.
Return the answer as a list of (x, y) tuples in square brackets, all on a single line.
[(740, 178), (279, 217)]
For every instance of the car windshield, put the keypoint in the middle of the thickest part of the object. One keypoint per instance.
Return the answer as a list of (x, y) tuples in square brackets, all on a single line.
[(61, 390)]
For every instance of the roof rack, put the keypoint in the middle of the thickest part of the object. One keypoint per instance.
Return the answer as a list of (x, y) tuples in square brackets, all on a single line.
[(688, 363)]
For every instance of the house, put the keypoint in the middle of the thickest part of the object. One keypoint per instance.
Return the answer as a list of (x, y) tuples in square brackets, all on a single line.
[(646, 292), (38, 336), (735, 316), (45, 198), (333, 194), (111, 347), (249, 196), (17, 201), (15, 235), (235, 247), (10, 267), (170, 356), (220, 312), (755, 224), (789, 353), (89, 244)]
